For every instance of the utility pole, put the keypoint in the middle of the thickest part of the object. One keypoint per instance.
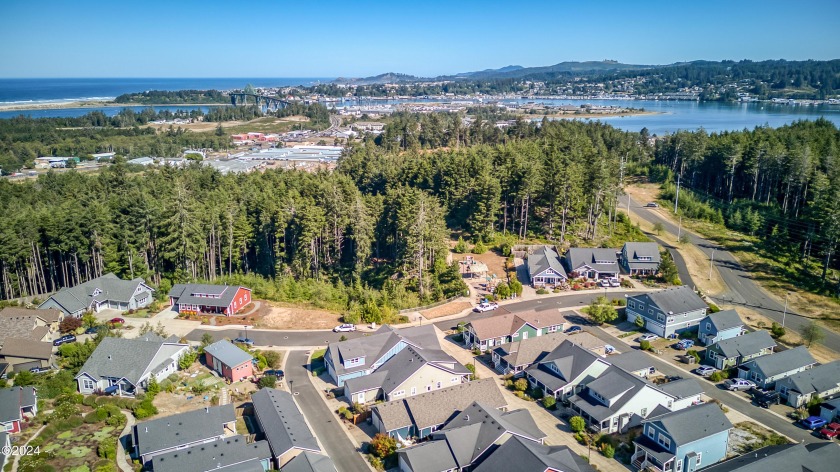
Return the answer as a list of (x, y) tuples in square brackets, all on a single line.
[(784, 313), (711, 263), (679, 230), (677, 199)]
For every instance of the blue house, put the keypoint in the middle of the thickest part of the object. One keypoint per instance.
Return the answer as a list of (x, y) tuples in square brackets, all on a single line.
[(718, 326), (683, 441), (667, 312)]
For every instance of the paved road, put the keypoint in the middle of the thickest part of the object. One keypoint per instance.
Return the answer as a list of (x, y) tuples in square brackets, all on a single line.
[(740, 287), (731, 400), (325, 424)]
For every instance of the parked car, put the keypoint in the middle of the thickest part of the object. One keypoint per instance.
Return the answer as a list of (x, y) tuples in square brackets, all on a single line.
[(242, 340), (485, 306), (275, 372), (609, 349), (115, 321), (96, 329), (831, 431), (573, 329), (604, 283), (648, 337), (38, 370), (764, 398), (813, 422), (705, 370), (685, 344), (651, 205), (614, 282), (67, 338), (739, 384), (345, 328)]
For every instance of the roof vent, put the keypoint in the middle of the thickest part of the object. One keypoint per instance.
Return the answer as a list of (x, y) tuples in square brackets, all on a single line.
[(109, 357), (467, 418)]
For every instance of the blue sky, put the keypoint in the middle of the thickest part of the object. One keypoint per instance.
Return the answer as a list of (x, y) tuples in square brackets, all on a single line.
[(325, 38)]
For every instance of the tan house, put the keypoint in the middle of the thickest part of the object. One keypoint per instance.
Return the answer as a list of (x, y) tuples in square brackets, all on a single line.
[(24, 354), (48, 317), (505, 328), (26, 335)]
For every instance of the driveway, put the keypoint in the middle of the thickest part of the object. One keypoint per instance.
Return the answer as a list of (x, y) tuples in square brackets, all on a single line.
[(324, 423), (741, 289)]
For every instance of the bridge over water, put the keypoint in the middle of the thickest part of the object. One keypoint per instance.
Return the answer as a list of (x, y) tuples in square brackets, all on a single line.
[(262, 101)]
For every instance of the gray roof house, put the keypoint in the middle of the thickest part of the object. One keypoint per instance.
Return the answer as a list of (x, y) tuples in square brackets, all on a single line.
[(565, 370), (421, 414), (821, 382), (545, 267), (686, 440), (830, 410), (635, 362), (108, 291), (124, 366), (25, 353), (815, 457), (735, 351), (640, 258), (309, 462), (208, 298), (766, 370), (686, 392), (162, 435), (592, 263), (16, 403), (232, 454), (667, 312), (527, 456), (719, 326), (468, 439), (283, 425), (229, 360), (516, 356)]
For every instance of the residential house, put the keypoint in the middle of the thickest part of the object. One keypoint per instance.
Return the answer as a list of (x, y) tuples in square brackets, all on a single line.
[(231, 454), (24, 354), (310, 462), (686, 392), (499, 329), (209, 299), (565, 370), (25, 337), (108, 291), (640, 258), (468, 439), (830, 410), (523, 455), (683, 441), (49, 318), (592, 263), (229, 361), (818, 382), (283, 425), (163, 435), (17, 404), (618, 400), (733, 352), (361, 356), (766, 370), (545, 267), (121, 366), (423, 414), (814, 457), (514, 357), (718, 326), (634, 362), (667, 312)]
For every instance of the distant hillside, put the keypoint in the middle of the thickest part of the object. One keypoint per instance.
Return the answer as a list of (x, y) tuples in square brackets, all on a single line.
[(518, 72), (386, 78)]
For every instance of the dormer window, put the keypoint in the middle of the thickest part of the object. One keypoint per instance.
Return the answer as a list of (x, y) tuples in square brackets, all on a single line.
[(96, 292), (645, 258)]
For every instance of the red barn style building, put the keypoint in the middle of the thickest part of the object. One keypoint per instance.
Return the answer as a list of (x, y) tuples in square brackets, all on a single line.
[(229, 361), (209, 299)]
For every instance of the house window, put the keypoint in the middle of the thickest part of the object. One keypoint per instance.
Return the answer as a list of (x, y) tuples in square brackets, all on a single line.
[(414, 390), (708, 326), (515, 335), (641, 306), (650, 433), (664, 441), (679, 466), (454, 379), (632, 304), (88, 384), (699, 457), (398, 394), (428, 388), (644, 412), (650, 311)]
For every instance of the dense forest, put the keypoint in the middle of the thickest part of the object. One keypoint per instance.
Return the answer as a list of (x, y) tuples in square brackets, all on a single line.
[(782, 185), (179, 97)]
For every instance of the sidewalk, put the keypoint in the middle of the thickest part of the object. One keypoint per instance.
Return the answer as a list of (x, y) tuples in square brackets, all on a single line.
[(123, 461)]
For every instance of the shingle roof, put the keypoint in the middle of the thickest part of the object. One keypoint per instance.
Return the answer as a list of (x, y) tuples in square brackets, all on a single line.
[(184, 428), (631, 361), (745, 345), (231, 453), (528, 351), (544, 259), (577, 257), (785, 361), (611, 384), (185, 294), (692, 423), (626, 388), (678, 300), (12, 400), (815, 457), (723, 320), (80, 297), (309, 462), (816, 379), (49, 315), (438, 406), (228, 353), (402, 366), (129, 358), (636, 250), (682, 388), (376, 345), (570, 359), (432, 456), (508, 323), (26, 348), (19, 326), (527, 456), (282, 422)]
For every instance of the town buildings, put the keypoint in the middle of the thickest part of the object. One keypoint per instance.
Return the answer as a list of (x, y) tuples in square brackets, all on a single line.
[(108, 291)]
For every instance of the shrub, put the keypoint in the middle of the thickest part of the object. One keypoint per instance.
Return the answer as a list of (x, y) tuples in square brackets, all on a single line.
[(69, 324), (348, 415), (607, 450), (644, 345), (479, 247), (383, 445), (777, 330), (581, 438), (536, 393), (107, 449), (549, 402), (376, 462), (461, 246), (602, 311), (145, 409), (267, 381), (718, 375), (713, 308), (640, 321), (542, 291), (520, 385), (695, 355), (577, 424)]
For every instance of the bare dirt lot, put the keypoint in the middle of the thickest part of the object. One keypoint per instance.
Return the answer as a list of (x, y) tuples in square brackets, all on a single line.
[(447, 309), (276, 316), (791, 338)]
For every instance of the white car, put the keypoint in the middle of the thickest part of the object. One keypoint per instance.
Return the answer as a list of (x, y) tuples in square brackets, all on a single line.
[(604, 282), (345, 328), (739, 384), (489, 306), (705, 370), (614, 282), (648, 337)]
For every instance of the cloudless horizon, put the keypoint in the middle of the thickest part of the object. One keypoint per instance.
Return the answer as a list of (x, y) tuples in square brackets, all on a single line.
[(273, 39)]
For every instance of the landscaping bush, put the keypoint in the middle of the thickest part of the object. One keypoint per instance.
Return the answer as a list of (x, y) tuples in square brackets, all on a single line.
[(582, 438), (719, 375), (577, 424), (461, 246), (695, 355), (520, 385), (777, 330), (644, 345), (542, 291), (713, 308), (479, 247), (607, 450), (376, 462), (145, 409), (383, 445), (107, 449), (267, 381), (536, 393), (348, 415), (549, 402), (90, 401)]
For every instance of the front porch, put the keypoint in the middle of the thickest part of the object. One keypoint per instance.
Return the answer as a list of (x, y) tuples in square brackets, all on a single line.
[(651, 456)]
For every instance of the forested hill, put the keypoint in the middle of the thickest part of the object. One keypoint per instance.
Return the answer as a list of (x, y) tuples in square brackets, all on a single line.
[(179, 97)]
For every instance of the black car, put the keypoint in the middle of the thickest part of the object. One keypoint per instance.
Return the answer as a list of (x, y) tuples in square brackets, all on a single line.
[(275, 372), (95, 329), (248, 341), (67, 338), (764, 398), (573, 329)]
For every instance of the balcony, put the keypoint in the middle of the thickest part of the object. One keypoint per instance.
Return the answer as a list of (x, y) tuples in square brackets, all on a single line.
[(643, 462)]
